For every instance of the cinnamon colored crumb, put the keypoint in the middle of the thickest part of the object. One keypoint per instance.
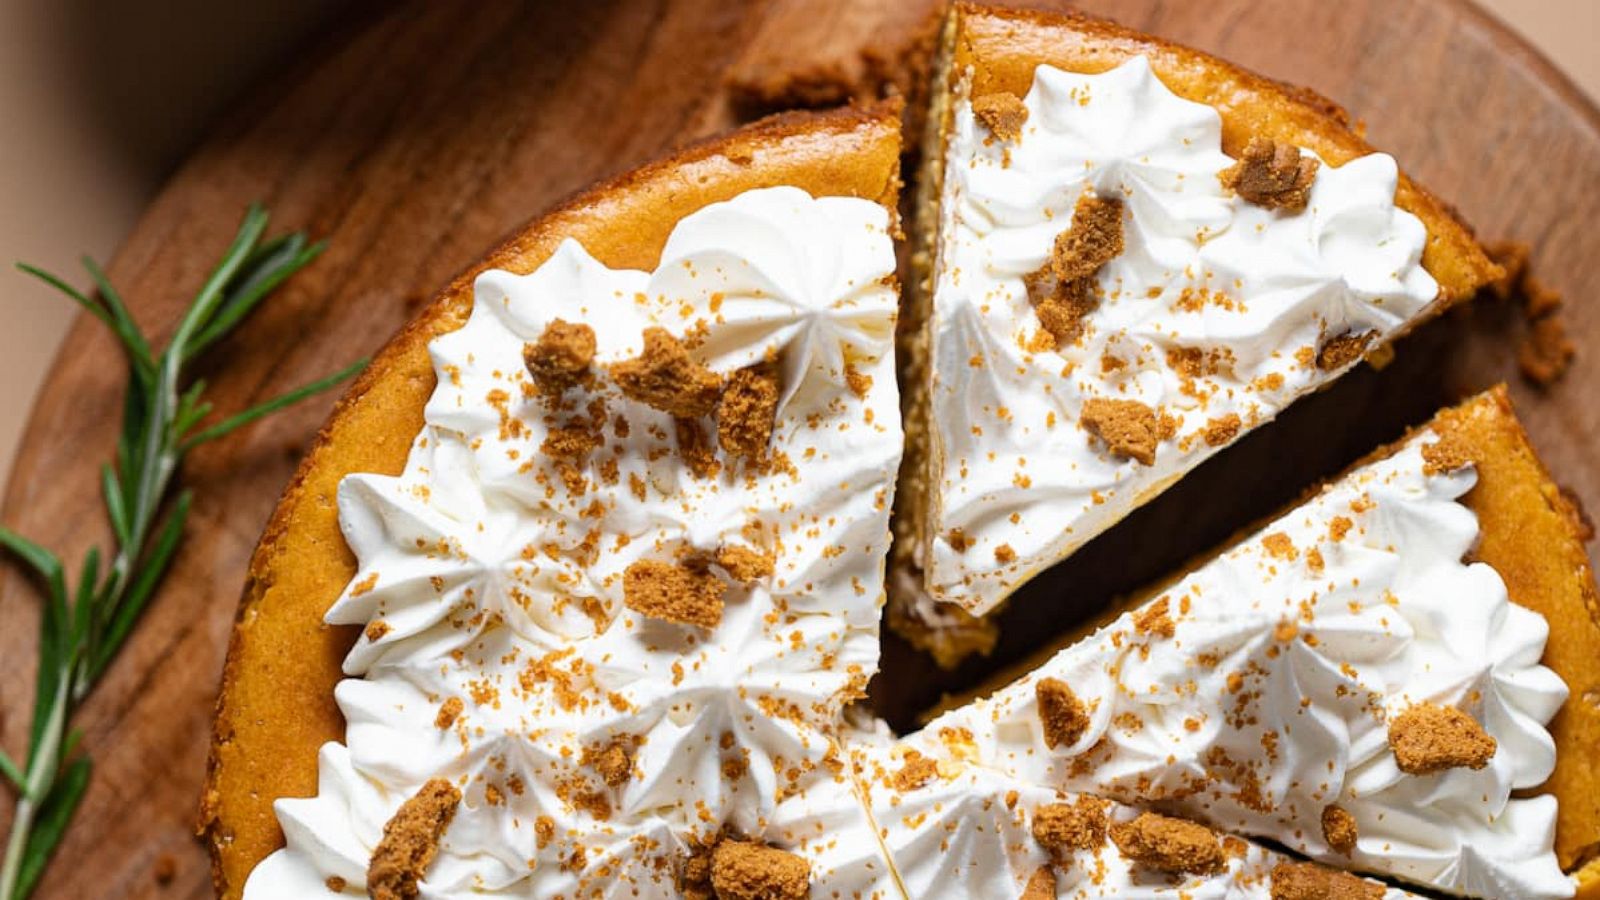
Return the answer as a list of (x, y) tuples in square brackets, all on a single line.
[(1093, 239), (747, 411), (1338, 527), (1062, 306), (694, 447), (449, 711), (858, 381), (746, 871), (672, 592), (664, 376), (1062, 714), (1272, 175), (376, 629), (1429, 738), (335, 884), (561, 357), (1342, 350), (1546, 353), (1041, 885), (1169, 845), (917, 771), (744, 564), (613, 760), (960, 542), (1223, 429), (1309, 881), (410, 841), (1064, 827), (1339, 829), (1003, 114), (1128, 428), (569, 448), (1448, 454), (1155, 619), (1005, 555)]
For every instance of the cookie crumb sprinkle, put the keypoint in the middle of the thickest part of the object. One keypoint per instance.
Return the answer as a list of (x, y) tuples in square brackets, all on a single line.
[(1339, 829), (744, 564), (1041, 885), (747, 411), (1062, 714), (1002, 113), (1429, 738), (449, 711), (1169, 845), (1272, 175), (1309, 881), (1128, 428), (665, 377), (745, 871), (1064, 827), (673, 592), (561, 357), (410, 841)]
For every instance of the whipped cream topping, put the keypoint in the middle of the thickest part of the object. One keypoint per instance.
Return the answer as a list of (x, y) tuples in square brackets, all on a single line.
[(966, 832), (1211, 316), (497, 652), (1256, 692)]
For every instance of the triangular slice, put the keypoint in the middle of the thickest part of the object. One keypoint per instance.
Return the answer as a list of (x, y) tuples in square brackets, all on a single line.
[(1352, 680), (1134, 254)]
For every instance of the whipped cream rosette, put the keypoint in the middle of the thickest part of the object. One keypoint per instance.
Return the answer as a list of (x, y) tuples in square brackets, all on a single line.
[(1273, 683), (1211, 316)]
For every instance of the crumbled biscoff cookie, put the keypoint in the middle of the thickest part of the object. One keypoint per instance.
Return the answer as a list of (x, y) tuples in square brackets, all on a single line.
[(613, 760), (1272, 175), (1222, 429), (335, 884), (1448, 454), (673, 592), (1340, 350), (747, 411), (1155, 620), (1128, 428), (695, 449), (744, 564), (1339, 829), (1041, 885), (917, 771), (1064, 827), (376, 629), (1429, 738), (410, 841), (1002, 113), (1062, 306), (745, 871), (1062, 714), (570, 447), (1093, 239), (449, 711), (664, 376), (1309, 881), (1169, 845), (561, 357)]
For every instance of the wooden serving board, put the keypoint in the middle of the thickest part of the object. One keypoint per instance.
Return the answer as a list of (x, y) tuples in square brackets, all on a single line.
[(413, 140)]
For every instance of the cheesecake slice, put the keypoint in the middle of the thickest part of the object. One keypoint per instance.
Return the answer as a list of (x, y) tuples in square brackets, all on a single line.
[(1389, 678), (1132, 254)]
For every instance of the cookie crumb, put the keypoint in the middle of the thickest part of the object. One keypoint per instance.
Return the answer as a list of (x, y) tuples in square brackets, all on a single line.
[(1222, 429), (665, 377), (1062, 714), (1272, 175), (561, 357), (1064, 827), (695, 449), (673, 592), (1005, 555), (376, 629), (335, 884), (1169, 845), (1341, 350), (1309, 881), (1448, 454), (1041, 885), (745, 564), (449, 711), (613, 760), (1002, 113), (1061, 306), (1093, 239), (745, 871), (1339, 829), (1155, 619), (1429, 738), (410, 841), (747, 411), (1128, 428), (917, 771), (569, 447)]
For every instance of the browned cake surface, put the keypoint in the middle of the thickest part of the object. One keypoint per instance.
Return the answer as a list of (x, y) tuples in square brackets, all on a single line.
[(276, 707)]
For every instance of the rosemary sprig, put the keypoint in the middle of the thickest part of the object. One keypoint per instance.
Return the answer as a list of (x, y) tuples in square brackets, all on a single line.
[(81, 629)]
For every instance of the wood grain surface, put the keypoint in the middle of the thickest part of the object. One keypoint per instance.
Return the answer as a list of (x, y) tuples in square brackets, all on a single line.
[(414, 139)]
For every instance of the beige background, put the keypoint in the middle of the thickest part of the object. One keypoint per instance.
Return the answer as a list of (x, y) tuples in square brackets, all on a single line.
[(101, 100)]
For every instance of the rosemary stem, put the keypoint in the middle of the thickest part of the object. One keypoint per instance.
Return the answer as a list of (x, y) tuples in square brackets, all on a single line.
[(42, 766)]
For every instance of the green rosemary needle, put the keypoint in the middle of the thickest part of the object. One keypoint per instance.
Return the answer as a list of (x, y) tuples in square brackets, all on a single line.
[(83, 626)]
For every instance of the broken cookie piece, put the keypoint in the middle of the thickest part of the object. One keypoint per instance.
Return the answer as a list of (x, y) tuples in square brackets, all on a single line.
[(746, 413), (665, 377), (1169, 845), (673, 592), (744, 564), (561, 357), (613, 760), (1003, 114), (1309, 881), (1341, 350), (410, 841), (1062, 828), (741, 870), (1062, 715), (1093, 239), (1128, 428), (1429, 738), (1339, 829), (1041, 884), (1272, 175)]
